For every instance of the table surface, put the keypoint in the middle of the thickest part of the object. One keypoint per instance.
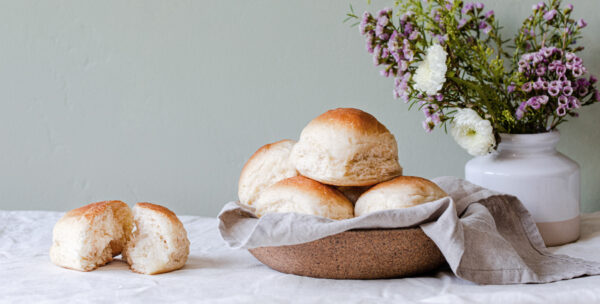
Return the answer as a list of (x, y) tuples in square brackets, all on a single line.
[(217, 274)]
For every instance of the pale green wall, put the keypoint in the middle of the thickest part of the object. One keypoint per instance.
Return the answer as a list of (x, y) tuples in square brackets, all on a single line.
[(165, 100)]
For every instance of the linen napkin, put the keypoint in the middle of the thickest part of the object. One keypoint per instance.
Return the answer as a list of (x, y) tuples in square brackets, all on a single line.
[(485, 236)]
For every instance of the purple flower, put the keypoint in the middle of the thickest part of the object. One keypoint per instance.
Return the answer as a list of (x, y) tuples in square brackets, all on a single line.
[(489, 14), (593, 79), (385, 53), (397, 56), (384, 12), (383, 20), (549, 15), (577, 71), (538, 84), (384, 73), (563, 100), (543, 99), (511, 88), (379, 30), (567, 91), (369, 42), (574, 103), (448, 6), (376, 54), (553, 91), (462, 23), (403, 65), (545, 85), (541, 70), (526, 87), (561, 111), (479, 5), (561, 70), (534, 102), (439, 97), (435, 118), (485, 27), (428, 125), (554, 64), (414, 35), (568, 8), (581, 23), (467, 8), (582, 91), (556, 84), (519, 113)]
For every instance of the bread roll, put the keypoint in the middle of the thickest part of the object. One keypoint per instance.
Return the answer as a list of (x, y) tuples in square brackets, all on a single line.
[(346, 147), (400, 192), (303, 195), (352, 193), (88, 237), (159, 243), (270, 164)]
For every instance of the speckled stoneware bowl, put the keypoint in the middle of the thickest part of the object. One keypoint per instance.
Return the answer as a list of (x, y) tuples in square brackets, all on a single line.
[(357, 254)]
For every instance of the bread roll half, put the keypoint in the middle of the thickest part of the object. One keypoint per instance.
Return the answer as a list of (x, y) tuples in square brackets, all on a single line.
[(303, 195), (268, 165), (88, 237), (159, 243), (400, 192), (346, 147)]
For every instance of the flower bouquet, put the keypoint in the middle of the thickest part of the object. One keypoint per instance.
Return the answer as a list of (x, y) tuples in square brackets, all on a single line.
[(449, 59)]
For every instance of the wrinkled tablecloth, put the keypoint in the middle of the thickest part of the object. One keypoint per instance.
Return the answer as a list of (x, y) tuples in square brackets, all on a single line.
[(217, 274)]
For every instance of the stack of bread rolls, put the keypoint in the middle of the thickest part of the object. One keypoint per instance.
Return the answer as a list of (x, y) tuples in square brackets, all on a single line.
[(89, 237), (345, 164)]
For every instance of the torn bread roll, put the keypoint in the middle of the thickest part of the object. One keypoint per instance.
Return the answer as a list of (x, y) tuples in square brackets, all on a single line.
[(400, 192), (159, 244), (88, 237), (346, 147), (268, 165), (303, 195)]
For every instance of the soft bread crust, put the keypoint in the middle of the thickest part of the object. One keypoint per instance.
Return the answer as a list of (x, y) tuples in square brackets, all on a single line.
[(159, 243), (268, 165), (303, 195), (400, 192), (346, 147), (88, 237)]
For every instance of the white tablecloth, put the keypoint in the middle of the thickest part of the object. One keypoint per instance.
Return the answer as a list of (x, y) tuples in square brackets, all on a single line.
[(217, 274)]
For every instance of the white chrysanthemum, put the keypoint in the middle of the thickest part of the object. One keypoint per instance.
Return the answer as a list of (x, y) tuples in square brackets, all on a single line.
[(472, 132), (431, 72)]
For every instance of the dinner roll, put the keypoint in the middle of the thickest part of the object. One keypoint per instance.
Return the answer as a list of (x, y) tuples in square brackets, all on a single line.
[(352, 193), (303, 195), (159, 243), (88, 237), (400, 192), (346, 147), (270, 164)]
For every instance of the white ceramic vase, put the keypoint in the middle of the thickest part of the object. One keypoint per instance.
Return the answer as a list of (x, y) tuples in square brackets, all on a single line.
[(546, 181)]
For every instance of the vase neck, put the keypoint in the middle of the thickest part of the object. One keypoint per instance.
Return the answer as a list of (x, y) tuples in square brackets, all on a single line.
[(529, 143)]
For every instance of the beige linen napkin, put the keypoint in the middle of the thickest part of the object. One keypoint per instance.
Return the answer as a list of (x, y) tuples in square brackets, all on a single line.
[(486, 237)]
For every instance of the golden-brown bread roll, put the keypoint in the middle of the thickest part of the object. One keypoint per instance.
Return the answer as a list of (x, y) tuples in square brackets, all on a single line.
[(88, 237), (303, 195), (268, 165), (346, 147), (159, 243), (400, 192)]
